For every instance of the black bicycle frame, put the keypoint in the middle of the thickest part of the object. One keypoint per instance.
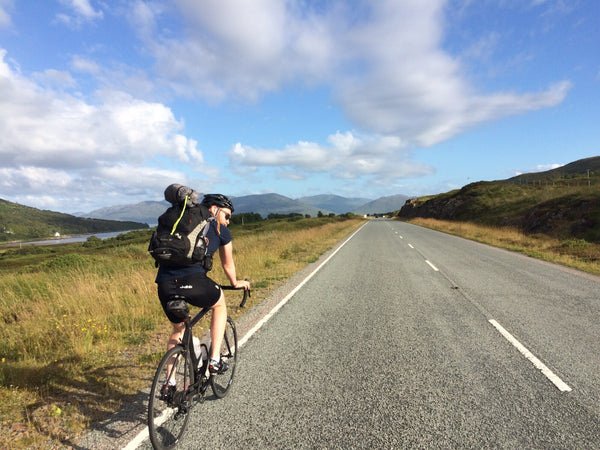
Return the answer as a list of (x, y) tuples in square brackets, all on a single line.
[(190, 322)]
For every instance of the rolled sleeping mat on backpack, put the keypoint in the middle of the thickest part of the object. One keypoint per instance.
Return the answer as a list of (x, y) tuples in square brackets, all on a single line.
[(176, 194)]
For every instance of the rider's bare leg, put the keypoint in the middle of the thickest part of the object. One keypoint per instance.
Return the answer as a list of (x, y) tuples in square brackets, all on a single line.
[(217, 326)]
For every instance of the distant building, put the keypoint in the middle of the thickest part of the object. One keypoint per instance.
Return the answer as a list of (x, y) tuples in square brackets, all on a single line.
[(57, 234)]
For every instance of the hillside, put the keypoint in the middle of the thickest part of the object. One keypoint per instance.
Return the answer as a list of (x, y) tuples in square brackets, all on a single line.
[(563, 202), (334, 203), (382, 205), (145, 212), (265, 204), (18, 222), (573, 173)]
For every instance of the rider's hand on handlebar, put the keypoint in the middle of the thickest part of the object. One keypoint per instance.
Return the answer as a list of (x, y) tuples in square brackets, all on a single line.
[(239, 284)]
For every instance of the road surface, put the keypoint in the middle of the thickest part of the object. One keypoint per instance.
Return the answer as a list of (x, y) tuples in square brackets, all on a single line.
[(409, 337)]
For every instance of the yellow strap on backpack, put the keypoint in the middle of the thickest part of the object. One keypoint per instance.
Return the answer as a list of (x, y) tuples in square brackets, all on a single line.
[(180, 215)]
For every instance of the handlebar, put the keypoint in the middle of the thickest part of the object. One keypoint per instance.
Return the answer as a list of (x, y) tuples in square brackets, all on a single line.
[(246, 293)]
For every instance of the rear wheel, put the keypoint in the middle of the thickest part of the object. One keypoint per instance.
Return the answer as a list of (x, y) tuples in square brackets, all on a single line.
[(222, 382), (169, 405)]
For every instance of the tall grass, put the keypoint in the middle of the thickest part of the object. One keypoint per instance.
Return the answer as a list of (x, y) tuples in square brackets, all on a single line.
[(82, 329), (576, 253)]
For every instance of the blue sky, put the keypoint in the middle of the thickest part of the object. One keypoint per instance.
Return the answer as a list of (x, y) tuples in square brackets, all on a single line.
[(106, 103)]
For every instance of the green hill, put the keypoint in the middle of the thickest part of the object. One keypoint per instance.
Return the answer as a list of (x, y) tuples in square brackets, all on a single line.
[(18, 222), (563, 202), (575, 173)]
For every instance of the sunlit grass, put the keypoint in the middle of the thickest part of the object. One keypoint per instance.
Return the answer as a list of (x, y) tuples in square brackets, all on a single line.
[(576, 253)]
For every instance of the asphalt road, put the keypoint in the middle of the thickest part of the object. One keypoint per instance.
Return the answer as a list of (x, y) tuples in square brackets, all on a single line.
[(396, 342)]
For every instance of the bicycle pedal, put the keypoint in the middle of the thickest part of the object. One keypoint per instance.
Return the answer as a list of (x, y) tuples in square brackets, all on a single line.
[(167, 392)]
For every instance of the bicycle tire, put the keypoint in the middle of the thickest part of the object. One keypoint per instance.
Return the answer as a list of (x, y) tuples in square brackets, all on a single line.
[(221, 383), (168, 410)]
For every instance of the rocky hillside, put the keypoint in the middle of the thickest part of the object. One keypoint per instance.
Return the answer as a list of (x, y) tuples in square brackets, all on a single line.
[(563, 202)]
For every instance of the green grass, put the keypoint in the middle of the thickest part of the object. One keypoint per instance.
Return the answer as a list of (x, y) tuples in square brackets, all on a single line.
[(560, 211), (81, 327), (571, 252)]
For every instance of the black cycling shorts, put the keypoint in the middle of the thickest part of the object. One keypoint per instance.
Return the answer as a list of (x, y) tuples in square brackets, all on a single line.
[(198, 290)]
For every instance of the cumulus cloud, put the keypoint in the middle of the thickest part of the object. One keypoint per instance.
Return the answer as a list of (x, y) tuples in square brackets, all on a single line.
[(40, 126), (55, 142), (384, 62), (239, 48), (345, 156), (412, 88)]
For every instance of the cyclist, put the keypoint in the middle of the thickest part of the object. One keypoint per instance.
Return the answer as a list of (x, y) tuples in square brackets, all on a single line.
[(198, 289)]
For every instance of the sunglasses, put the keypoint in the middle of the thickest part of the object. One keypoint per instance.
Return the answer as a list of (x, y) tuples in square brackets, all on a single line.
[(227, 216)]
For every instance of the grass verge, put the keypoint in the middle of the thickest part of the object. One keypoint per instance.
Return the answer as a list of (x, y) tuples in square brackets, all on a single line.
[(576, 253)]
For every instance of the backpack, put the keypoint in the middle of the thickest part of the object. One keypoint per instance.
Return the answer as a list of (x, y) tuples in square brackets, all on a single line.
[(180, 237)]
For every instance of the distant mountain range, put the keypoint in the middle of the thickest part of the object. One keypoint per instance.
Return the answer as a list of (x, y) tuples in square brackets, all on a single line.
[(263, 204), (501, 202), (145, 212)]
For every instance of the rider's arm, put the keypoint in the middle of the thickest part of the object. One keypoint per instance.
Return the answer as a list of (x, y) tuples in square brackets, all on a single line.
[(226, 255)]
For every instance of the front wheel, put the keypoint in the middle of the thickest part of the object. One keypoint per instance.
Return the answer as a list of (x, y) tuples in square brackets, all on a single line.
[(222, 382), (168, 407)]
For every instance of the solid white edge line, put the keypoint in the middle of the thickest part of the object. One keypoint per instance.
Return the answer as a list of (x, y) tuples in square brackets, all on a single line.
[(432, 266), (136, 441), (143, 435), (560, 384)]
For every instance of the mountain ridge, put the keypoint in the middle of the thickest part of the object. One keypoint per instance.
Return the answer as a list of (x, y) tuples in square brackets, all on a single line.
[(334, 203), (264, 204)]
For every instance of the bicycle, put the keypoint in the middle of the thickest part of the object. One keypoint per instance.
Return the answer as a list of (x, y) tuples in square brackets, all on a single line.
[(182, 378)]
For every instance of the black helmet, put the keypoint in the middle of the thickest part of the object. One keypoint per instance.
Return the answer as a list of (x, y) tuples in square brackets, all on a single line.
[(217, 199)]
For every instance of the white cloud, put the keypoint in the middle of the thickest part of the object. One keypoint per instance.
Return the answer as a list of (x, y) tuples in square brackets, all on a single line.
[(241, 48), (80, 12), (384, 62), (413, 89), (346, 156), (52, 141), (41, 126), (88, 189)]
